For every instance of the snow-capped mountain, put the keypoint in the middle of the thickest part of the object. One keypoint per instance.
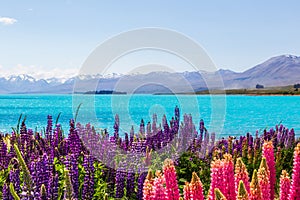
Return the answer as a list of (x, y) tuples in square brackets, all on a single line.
[(276, 71)]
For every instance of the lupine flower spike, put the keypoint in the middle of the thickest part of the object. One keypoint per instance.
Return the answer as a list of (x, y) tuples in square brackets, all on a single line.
[(295, 186), (285, 184)]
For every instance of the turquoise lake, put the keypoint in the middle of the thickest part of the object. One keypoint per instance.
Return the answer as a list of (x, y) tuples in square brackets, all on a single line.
[(225, 115)]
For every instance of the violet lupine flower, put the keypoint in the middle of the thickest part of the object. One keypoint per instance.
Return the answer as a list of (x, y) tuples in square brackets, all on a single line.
[(72, 166), (159, 191), (74, 140), (53, 186), (130, 183), (49, 129), (147, 192), (5, 192), (268, 153), (285, 184), (88, 184), (241, 174), (3, 154), (116, 127), (142, 127), (295, 185), (120, 181), (14, 177), (141, 186), (171, 180), (255, 192)]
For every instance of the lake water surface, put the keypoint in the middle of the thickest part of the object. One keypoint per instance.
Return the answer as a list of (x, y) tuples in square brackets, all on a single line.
[(227, 115)]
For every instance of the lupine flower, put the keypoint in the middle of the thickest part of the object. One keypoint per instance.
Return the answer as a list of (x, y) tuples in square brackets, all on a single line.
[(242, 192), (264, 183), (196, 190), (229, 177), (130, 183), (268, 153), (285, 184), (148, 186), (295, 185), (216, 177), (171, 180), (255, 192), (187, 191), (69, 193), (120, 181), (241, 174), (159, 191)]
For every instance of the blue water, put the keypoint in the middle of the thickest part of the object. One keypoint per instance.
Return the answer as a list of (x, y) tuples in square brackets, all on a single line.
[(225, 115)]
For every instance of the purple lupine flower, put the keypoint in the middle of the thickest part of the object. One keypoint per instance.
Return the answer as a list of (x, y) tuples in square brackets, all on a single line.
[(14, 177), (5, 192), (116, 126), (88, 184), (3, 154), (74, 140), (142, 127), (53, 186), (120, 181), (72, 165), (141, 179), (130, 183), (49, 129)]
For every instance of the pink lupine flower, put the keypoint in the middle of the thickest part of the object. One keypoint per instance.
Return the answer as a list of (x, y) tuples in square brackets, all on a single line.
[(148, 187), (268, 153), (196, 189), (171, 180), (228, 175), (216, 176), (285, 184), (186, 191), (159, 191), (255, 192), (295, 185), (241, 174), (264, 183)]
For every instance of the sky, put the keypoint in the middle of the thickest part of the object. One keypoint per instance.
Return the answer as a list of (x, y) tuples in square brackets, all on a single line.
[(54, 38)]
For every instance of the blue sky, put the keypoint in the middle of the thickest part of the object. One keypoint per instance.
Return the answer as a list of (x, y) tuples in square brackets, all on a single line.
[(57, 36)]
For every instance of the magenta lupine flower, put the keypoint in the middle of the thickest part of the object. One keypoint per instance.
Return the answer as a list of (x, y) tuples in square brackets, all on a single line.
[(171, 180), (241, 174), (285, 184), (268, 153), (264, 183), (196, 190), (159, 191), (228, 176), (216, 176), (295, 185), (187, 191)]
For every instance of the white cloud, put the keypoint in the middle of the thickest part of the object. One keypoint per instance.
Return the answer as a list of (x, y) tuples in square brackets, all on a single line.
[(7, 20), (39, 72)]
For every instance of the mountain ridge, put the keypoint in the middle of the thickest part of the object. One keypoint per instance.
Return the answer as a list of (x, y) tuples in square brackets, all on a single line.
[(277, 71)]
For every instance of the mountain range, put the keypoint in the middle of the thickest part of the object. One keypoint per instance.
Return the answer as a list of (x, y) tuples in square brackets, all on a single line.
[(276, 71)]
